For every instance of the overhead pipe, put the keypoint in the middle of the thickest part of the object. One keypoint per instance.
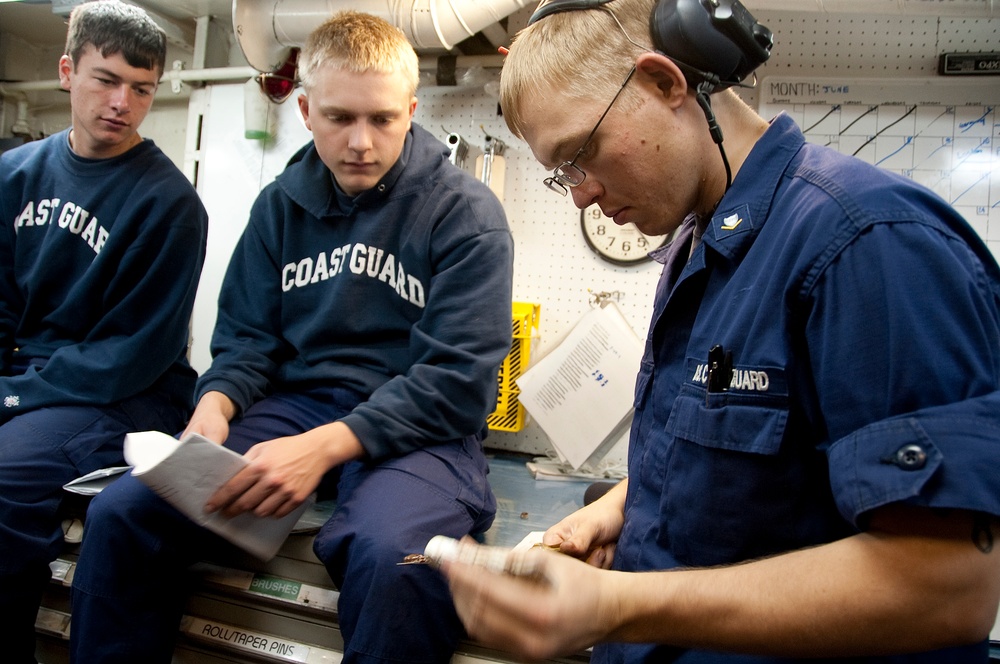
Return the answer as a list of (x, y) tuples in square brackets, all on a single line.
[(21, 126), (173, 77), (268, 29), (257, 24)]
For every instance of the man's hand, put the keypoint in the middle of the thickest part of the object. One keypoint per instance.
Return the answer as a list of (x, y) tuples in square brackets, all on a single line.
[(283, 472), (558, 610), (563, 607), (917, 581), (590, 533)]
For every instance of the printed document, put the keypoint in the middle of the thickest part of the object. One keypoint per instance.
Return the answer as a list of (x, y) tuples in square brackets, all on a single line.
[(186, 472), (581, 393)]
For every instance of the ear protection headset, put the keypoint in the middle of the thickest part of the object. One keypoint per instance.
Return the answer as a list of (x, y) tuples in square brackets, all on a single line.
[(716, 43)]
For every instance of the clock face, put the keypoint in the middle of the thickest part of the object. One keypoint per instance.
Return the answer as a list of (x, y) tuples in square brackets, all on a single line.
[(621, 245)]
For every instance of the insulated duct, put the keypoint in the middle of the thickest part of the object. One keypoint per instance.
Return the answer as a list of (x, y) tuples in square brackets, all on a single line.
[(267, 29)]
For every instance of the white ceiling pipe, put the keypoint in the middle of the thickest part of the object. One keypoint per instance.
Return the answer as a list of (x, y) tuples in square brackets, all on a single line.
[(231, 74), (268, 29), (219, 74)]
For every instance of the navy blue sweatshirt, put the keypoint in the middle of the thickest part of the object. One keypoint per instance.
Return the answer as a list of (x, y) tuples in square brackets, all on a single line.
[(402, 293), (100, 261)]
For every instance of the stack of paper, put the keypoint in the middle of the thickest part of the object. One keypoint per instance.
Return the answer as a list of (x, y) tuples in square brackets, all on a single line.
[(581, 393), (186, 473)]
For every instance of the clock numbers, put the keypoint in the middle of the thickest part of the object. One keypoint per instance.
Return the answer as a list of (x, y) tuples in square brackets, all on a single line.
[(621, 245)]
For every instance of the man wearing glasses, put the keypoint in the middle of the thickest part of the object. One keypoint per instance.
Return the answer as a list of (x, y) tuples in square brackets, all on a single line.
[(812, 463), (362, 323)]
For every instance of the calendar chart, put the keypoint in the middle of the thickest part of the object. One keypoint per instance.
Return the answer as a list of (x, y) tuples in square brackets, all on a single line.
[(942, 133)]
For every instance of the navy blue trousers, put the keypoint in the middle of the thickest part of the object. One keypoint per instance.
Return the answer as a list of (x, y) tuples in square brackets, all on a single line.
[(129, 585), (40, 451)]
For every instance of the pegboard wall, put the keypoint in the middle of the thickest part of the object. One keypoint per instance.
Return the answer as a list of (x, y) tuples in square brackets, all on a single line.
[(869, 45), (553, 265), (873, 81)]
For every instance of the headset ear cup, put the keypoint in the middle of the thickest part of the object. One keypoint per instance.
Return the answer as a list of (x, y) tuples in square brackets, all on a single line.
[(729, 47)]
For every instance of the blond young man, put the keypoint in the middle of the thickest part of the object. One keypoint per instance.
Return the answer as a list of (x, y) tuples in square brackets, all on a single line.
[(362, 322)]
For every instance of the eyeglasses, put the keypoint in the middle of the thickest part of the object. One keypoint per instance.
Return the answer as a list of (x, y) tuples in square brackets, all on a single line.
[(567, 174), (276, 87)]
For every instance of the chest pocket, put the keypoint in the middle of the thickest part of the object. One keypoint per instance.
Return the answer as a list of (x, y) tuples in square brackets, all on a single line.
[(750, 424), (737, 486)]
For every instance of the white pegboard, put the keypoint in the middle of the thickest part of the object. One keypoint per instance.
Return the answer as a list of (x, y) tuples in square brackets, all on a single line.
[(850, 45), (868, 45), (969, 35), (552, 264)]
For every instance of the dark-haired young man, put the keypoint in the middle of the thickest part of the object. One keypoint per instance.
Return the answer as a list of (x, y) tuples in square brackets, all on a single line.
[(101, 248)]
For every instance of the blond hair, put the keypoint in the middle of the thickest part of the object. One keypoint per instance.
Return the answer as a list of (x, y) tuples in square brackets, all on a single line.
[(583, 54), (358, 42)]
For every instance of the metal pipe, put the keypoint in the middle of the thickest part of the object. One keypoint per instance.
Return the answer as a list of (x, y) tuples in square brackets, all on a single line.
[(241, 74), (267, 29), (187, 76)]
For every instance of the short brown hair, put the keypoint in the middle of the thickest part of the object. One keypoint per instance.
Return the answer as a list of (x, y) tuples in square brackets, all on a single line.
[(114, 27)]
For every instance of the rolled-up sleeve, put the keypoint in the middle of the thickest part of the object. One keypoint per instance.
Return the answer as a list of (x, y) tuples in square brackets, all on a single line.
[(934, 457), (907, 349)]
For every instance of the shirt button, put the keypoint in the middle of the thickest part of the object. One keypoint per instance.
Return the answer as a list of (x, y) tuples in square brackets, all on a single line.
[(911, 457), (381, 187)]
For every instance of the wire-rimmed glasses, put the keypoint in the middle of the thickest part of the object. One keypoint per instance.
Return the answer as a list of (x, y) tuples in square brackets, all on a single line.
[(567, 174)]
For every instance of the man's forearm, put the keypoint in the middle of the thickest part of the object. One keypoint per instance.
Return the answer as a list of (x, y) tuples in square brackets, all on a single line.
[(881, 592)]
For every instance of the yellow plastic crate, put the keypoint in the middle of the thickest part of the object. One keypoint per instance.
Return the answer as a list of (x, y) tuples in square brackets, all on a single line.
[(509, 414)]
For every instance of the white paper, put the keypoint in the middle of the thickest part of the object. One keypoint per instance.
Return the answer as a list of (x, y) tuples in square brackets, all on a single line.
[(581, 393), (92, 483), (186, 473), (529, 541)]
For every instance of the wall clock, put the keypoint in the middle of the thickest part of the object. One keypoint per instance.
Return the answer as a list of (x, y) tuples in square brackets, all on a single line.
[(621, 245)]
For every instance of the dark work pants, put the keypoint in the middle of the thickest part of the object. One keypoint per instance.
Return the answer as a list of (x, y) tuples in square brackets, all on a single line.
[(128, 587), (40, 451)]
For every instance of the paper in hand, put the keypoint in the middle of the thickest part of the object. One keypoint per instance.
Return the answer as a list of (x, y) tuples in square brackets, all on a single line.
[(186, 473)]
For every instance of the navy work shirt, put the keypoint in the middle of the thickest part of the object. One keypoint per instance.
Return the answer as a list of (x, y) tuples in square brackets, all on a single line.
[(859, 314)]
